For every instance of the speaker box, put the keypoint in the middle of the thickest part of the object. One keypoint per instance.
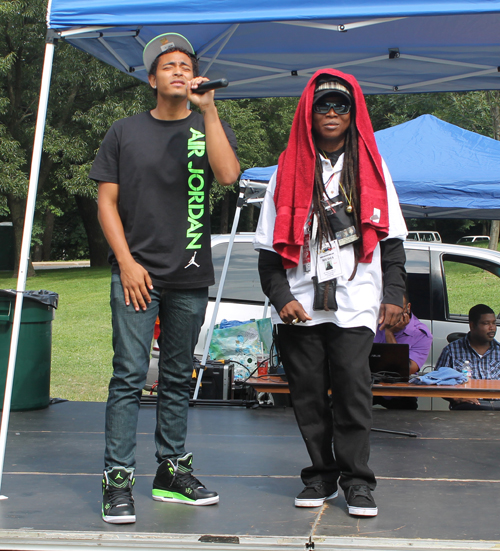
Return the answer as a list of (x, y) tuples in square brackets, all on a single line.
[(217, 381)]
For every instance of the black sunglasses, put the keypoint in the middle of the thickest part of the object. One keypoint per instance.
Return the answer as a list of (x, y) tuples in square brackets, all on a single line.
[(324, 107)]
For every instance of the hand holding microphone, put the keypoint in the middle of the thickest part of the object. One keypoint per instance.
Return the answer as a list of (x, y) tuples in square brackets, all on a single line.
[(210, 85)]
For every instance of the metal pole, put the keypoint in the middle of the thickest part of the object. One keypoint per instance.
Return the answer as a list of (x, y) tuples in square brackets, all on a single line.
[(266, 306), (25, 247), (239, 205)]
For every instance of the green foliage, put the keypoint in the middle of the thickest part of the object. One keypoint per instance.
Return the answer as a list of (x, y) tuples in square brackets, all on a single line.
[(469, 110)]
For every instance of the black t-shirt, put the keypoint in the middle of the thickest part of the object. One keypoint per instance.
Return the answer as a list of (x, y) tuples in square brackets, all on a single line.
[(164, 176)]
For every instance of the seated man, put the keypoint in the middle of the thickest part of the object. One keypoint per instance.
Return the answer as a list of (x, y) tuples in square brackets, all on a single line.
[(410, 330), (480, 348)]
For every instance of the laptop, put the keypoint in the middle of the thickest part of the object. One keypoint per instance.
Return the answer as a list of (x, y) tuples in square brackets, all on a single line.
[(394, 358)]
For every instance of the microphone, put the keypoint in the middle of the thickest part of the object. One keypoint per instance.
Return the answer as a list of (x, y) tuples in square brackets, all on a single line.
[(210, 85)]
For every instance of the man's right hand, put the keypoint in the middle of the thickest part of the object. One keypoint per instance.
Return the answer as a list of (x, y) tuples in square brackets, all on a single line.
[(293, 312), (136, 282)]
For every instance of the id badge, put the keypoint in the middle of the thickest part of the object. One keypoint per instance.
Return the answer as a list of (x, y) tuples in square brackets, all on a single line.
[(328, 262)]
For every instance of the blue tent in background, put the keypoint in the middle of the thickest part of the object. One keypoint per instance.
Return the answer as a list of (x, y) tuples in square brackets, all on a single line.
[(439, 169)]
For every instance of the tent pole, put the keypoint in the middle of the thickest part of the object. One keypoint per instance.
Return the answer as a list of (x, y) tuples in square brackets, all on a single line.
[(240, 204), (26, 242)]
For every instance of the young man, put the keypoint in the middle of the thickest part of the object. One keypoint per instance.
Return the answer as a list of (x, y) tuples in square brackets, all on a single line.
[(331, 261), (480, 348), (154, 172)]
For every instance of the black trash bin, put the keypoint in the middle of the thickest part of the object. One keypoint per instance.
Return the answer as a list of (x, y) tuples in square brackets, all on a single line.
[(7, 250), (31, 388)]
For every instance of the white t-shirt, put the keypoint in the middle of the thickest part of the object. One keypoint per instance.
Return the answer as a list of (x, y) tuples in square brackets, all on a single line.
[(358, 300)]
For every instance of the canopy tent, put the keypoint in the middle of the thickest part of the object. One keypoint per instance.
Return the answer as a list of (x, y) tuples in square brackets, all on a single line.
[(439, 169), (270, 48)]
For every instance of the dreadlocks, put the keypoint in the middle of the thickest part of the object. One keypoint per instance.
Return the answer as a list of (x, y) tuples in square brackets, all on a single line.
[(349, 183)]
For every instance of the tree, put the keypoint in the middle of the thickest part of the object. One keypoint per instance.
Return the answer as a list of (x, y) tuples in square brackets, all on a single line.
[(494, 102), (86, 97), (262, 127), (82, 102)]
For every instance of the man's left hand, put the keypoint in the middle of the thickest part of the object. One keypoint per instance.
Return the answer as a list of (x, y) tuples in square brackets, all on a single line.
[(389, 316)]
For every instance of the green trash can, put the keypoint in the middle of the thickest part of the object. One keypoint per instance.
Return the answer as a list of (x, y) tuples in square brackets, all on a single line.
[(31, 388)]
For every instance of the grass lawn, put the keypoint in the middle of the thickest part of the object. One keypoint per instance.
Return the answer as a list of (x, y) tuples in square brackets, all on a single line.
[(468, 285), (81, 330)]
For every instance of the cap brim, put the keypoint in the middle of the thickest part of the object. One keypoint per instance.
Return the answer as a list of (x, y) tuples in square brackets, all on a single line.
[(162, 44), (323, 93)]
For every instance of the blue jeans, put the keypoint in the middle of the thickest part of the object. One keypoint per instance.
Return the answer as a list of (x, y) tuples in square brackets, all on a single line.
[(181, 313)]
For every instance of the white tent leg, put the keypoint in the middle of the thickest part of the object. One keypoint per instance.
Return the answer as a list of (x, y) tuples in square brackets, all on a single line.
[(266, 306), (240, 204), (25, 247)]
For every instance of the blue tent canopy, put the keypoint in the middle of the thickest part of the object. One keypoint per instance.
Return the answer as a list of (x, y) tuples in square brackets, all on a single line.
[(271, 48), (439, 170)]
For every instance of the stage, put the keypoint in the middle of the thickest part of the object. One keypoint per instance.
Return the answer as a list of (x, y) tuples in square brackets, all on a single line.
[(437, 491)]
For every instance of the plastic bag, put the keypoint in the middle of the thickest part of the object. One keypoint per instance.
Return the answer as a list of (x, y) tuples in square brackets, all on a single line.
[(242, 344)]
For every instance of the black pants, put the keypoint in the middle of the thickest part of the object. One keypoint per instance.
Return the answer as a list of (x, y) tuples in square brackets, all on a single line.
[(315, 359)]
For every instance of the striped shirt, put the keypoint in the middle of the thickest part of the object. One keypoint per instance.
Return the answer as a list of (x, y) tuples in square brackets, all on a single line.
[(485, 367)]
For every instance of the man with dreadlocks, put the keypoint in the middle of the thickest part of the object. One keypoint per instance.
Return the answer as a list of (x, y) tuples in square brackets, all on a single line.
[(331, 261)]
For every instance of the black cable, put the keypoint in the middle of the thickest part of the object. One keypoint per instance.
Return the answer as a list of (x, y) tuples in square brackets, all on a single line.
[(387, 377), (256, 369)]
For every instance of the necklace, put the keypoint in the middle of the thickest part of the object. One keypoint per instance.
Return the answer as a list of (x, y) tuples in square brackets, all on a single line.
[(349, 207)]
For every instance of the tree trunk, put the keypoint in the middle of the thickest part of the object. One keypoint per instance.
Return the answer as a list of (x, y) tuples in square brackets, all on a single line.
[(224, 214), (495, 226), (249, 223), (98, 246), (494, 100), (17, 207), (47, 234), (36, 253)]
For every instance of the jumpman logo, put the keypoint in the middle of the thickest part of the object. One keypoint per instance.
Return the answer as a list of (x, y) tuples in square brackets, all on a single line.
[(192, 262)]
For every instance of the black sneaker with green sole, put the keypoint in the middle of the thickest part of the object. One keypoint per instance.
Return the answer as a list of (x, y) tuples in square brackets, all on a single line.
[(117, 501), (174, 483)]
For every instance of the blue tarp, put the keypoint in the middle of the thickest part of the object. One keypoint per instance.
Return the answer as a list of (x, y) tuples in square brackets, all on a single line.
[(438, 169), (271, 48)]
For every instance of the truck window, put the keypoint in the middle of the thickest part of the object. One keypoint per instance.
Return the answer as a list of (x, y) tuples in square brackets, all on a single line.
[(418, 282), (468, 282), (242, 279)]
